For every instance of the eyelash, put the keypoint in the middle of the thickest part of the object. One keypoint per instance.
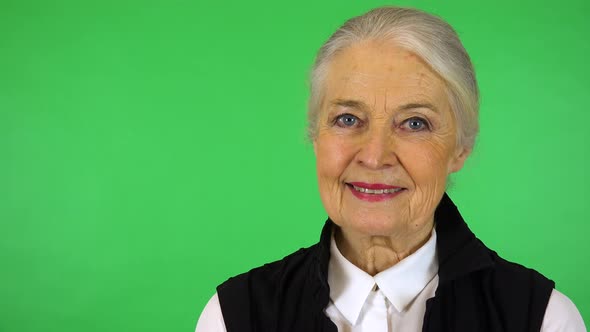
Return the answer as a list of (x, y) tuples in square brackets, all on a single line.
[(358, 122), (339, 123), (426, 125)]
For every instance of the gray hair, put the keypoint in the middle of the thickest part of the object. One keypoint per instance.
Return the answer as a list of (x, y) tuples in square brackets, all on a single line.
[(421, 33)]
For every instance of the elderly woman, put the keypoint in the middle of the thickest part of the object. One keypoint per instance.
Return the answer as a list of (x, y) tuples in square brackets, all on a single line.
[(392, 113)]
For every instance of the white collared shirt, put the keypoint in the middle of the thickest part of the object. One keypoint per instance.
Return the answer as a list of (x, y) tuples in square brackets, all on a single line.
[(394, 299)]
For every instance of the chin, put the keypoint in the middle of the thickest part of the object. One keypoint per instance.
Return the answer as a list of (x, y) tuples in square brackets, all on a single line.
[(374, 226)]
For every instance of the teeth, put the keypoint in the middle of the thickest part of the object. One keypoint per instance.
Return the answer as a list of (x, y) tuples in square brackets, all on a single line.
[(376, 191)]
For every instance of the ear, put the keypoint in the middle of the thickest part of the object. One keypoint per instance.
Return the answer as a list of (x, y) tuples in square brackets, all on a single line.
[(458, 160)]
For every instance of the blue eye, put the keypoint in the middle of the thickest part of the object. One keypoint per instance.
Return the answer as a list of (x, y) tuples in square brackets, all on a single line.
[(416, 124), (347, 120)]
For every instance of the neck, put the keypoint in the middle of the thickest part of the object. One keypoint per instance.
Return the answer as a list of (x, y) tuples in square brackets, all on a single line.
[(376, 253)]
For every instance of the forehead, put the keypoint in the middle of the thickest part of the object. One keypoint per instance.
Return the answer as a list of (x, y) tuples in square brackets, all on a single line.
[(382, 72)]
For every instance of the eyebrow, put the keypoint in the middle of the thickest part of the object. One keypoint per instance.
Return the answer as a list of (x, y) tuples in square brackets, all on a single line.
[(351, 103), (418, 105)]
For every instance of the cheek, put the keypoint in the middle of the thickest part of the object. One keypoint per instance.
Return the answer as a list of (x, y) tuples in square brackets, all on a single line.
[(427, 162), (332, 158), (331, 163)]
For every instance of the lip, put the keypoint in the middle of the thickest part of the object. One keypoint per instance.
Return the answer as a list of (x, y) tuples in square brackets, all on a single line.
[(375, 186)]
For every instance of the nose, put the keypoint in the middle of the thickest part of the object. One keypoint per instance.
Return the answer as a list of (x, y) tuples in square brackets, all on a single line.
[(377, 150)]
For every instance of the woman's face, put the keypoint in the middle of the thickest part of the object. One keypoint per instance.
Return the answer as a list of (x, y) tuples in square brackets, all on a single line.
[(386, 141)]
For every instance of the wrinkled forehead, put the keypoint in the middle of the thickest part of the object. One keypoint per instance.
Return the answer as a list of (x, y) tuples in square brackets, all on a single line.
[(382, 73)]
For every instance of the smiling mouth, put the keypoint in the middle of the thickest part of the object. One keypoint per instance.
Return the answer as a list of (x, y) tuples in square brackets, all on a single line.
[(375, 191)]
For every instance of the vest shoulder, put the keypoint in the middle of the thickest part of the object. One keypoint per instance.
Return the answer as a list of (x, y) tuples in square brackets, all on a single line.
[(497, 296), (518, 289), (261, 296), (272, 275), (515, 273)]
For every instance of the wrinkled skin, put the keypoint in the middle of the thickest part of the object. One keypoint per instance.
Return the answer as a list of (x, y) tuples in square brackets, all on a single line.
[(385, 118)]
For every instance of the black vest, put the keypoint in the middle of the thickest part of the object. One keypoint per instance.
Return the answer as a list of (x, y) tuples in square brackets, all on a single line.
[(477, 291)]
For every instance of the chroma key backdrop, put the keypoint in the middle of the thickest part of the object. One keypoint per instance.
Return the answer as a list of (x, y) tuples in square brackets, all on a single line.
[(149, 150)]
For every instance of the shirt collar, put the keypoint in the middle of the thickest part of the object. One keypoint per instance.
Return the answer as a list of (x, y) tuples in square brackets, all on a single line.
[(401, 283), (459, 253)]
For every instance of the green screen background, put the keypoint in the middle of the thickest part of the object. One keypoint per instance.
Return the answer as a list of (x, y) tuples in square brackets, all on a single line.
[(149, 150)]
